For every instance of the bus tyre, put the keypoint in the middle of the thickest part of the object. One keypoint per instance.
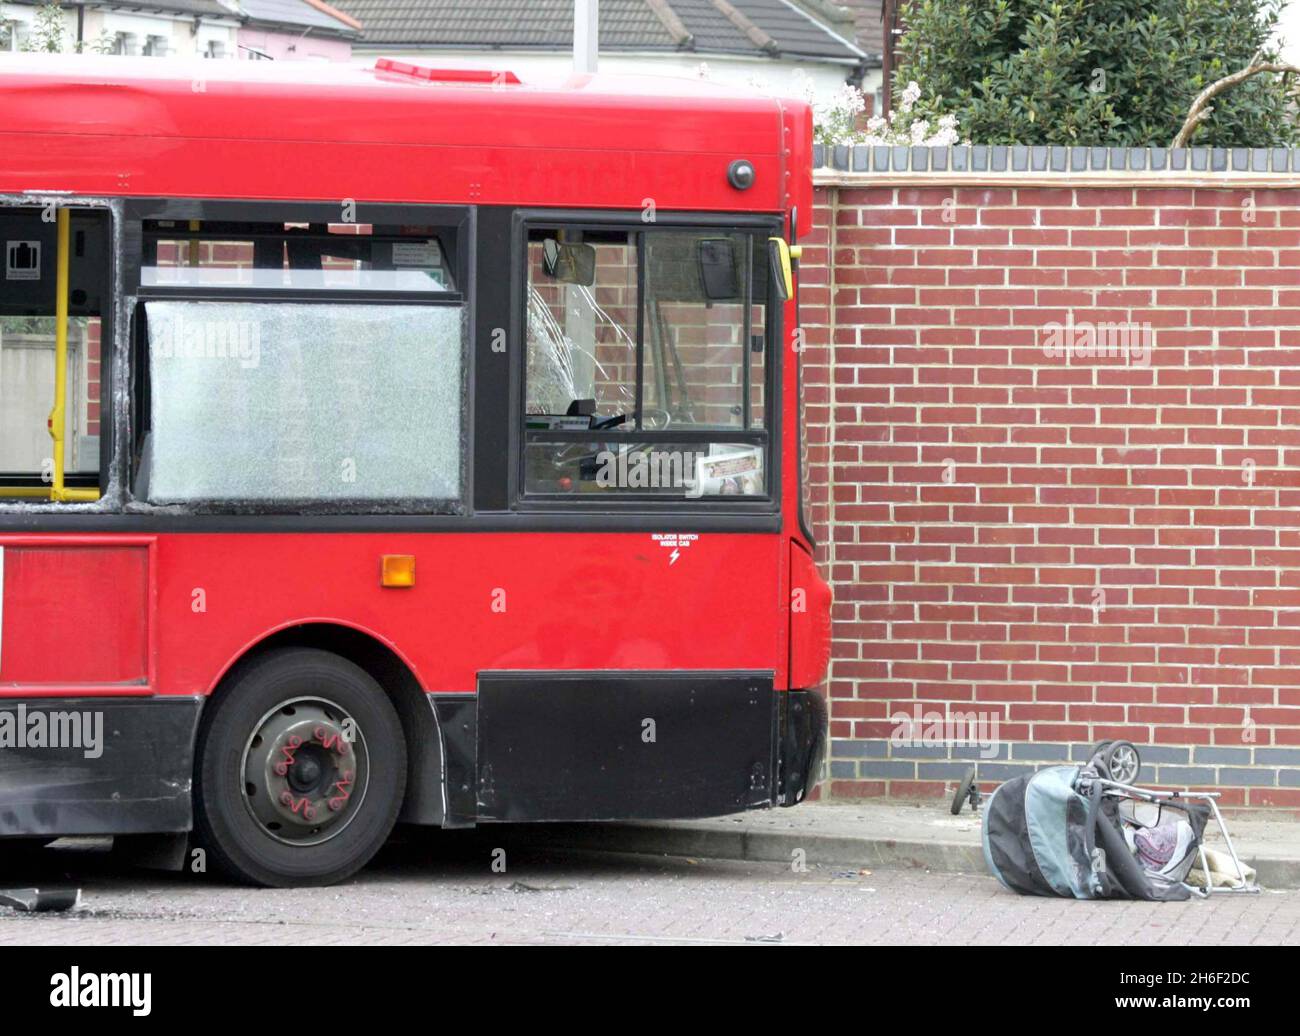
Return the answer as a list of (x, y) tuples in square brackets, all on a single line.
[(301, 770)]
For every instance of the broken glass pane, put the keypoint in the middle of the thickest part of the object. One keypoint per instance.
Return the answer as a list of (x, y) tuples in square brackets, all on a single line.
[(256, 402)]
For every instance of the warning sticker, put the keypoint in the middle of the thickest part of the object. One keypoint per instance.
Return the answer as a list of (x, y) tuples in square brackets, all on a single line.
[(425, 255), (22, 260), (675, 542)]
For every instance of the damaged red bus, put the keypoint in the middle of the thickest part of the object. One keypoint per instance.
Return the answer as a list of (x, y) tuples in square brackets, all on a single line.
[(397, 445)]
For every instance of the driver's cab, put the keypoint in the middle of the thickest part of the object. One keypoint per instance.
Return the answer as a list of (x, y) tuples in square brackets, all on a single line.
[(648, 361)]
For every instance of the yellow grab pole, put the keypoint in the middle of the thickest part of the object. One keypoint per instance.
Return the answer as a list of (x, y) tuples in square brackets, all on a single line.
[(59, 415)]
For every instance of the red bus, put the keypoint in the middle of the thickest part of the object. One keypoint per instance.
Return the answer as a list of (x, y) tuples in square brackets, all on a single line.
[(397, 445)]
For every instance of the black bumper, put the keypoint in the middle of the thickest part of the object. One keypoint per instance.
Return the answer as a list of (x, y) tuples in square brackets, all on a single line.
[(803, 744), (625, 746), (96, 766)]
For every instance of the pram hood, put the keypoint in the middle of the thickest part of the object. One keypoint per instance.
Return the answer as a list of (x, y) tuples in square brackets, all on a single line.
[(1054, 833)]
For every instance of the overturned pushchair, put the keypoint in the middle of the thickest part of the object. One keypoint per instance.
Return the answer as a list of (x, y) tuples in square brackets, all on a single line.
[(1087, 832)]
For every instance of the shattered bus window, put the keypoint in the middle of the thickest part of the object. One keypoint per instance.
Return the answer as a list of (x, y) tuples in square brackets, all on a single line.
[(255, 402)]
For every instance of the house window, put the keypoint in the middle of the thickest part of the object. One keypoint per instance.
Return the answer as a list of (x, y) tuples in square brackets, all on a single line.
[(215, 49), (155, 46)]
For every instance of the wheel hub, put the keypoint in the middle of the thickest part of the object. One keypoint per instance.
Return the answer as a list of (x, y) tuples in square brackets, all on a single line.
[(305, 771)]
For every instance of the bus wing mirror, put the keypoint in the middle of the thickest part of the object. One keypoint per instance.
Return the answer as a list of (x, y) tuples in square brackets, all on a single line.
[(779, 254), (717, 259), (568, 263)]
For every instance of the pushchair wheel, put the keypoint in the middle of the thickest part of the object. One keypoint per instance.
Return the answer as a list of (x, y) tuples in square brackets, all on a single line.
[(1122, 762), (1100, 747), (965, 790)]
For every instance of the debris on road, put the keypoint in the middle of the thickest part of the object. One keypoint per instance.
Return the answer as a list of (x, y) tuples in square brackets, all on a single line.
[(40, 901)]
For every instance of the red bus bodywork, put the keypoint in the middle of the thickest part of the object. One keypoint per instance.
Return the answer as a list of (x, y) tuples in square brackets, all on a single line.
[(143, 614)]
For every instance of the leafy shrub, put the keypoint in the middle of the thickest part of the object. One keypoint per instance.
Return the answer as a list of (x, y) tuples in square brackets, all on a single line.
[(1094, 72)]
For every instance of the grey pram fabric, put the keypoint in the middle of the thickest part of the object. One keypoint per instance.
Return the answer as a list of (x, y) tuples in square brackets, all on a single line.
[(1057, 832)]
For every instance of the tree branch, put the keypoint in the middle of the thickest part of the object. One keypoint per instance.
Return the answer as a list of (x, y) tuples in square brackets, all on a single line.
[(1201, 110)]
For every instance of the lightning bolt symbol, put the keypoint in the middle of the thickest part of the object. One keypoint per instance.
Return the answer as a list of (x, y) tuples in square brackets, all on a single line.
[(672, 558)]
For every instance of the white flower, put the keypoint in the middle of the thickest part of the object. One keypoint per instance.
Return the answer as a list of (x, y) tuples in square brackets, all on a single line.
[(836, 122), (851, 99)]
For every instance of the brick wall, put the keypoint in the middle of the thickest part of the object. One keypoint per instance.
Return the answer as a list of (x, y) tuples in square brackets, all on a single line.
[(1056, 433)]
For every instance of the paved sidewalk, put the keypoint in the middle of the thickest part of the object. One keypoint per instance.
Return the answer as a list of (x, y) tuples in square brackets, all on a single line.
[(881, 835)]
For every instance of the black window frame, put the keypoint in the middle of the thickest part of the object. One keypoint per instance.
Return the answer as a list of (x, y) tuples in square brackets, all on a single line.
[(100, 478), (625, 501), (461, 257)]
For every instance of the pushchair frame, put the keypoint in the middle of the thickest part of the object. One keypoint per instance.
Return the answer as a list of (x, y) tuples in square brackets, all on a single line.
[(1117, 790), (1123, 756)]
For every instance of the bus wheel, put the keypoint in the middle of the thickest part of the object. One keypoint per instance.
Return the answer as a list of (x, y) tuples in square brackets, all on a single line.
[(301, 770)]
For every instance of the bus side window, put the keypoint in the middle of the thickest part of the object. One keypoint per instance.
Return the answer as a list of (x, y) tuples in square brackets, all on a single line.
[(582, 338), (29, 349), (307, 256), (345, 395), (669, 335), (294, 403)]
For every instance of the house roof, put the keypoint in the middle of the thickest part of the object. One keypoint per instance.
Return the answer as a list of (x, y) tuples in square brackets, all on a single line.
[(755, 28), (211, 8), (297, 15), (294, 15)]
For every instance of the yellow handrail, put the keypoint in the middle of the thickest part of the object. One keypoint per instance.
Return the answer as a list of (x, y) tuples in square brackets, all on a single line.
[(25, 492), (59, 415), (58, 492)]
